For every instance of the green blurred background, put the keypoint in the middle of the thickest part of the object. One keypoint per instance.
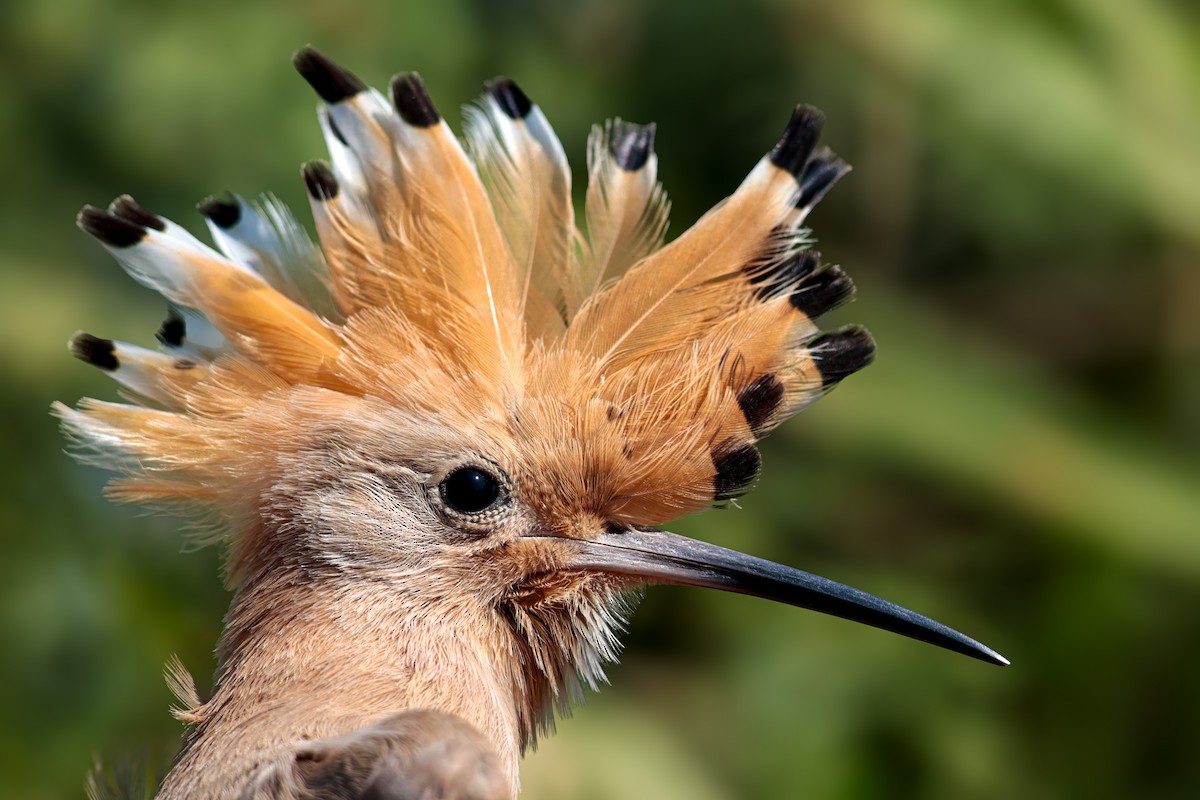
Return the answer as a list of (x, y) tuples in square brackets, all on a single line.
[(1022, 462)]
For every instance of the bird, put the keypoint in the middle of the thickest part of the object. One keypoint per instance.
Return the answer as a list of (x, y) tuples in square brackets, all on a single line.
[(439, 448)]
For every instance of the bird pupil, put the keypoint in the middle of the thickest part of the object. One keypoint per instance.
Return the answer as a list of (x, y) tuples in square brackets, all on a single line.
[(469, 490)]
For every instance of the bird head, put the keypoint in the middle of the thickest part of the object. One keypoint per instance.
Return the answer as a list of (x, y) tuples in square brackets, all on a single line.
[(462, 399)]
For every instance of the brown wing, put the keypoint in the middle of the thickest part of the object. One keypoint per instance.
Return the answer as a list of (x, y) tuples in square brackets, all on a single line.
[(413, 755)]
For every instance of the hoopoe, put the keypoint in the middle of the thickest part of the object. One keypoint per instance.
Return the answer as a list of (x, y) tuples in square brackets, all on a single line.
[(440, 445)]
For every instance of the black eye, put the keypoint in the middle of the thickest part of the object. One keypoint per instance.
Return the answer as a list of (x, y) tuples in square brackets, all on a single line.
[(469, 490)]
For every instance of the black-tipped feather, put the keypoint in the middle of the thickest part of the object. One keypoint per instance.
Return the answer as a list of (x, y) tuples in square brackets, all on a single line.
[(412, 100), (771, 277), (823, 170), (842, 352), (109, 228), (223, 211), (319, 180), (332, 83), (796, 145), (95, 351), (824, 291), (173, 330), (759, 399), (631, 145), (737, 467), (130, 210), (511, 99)]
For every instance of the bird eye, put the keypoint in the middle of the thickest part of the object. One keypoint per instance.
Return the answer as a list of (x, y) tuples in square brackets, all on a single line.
[(469, 490)]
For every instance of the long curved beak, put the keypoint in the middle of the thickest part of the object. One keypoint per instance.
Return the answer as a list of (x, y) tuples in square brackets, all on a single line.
[(656, 556)]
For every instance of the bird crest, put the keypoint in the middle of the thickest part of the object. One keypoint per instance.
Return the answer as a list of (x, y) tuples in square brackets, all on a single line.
[(611, 376)]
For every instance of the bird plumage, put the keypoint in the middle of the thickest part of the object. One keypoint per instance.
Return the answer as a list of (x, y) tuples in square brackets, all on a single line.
[(340, 410)]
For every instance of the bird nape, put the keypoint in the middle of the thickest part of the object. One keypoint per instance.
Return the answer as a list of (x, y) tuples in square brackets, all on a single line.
[(439, 445)]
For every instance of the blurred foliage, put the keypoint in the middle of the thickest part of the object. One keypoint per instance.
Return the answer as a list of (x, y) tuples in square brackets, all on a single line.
[(1022, 462)]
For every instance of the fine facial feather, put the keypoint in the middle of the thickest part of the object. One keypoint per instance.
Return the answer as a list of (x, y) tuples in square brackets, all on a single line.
[(462, 325)]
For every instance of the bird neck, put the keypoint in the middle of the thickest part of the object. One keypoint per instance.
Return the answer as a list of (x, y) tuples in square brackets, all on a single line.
[(307, 655)]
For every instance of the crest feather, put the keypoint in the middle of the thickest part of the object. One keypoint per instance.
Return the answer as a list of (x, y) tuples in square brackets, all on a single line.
[(626, 206), (616, 378), (525, 171)]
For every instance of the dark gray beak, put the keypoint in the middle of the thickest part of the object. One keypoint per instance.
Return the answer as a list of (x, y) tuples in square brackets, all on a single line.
[(655, 556)]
